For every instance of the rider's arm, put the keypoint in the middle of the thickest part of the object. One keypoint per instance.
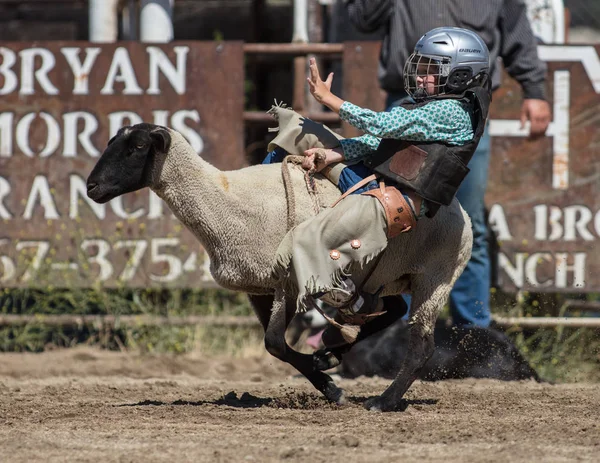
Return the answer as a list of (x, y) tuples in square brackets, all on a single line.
[(440, 120), (359, 148), (445, 121)]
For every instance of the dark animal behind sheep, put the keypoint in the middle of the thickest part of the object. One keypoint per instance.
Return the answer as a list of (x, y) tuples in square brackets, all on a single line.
[(460, 353)]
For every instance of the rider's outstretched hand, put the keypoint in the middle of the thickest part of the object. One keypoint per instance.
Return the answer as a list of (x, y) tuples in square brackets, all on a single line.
[(321, 90)]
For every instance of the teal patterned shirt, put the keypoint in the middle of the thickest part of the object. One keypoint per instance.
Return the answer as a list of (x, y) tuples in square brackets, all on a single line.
[(446, 121)]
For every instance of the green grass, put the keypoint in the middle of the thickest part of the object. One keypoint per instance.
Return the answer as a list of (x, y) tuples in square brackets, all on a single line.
[(558, 354), (98, 301), (36, 337), (564, 355)]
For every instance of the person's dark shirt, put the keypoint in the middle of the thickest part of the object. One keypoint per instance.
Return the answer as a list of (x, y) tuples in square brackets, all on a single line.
[(502, 24)]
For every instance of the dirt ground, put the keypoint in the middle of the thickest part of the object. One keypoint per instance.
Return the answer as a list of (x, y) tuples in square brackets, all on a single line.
[(84, 404)]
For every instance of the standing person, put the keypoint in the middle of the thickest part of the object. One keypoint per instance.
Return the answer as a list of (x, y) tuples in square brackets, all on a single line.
[(505, 29)]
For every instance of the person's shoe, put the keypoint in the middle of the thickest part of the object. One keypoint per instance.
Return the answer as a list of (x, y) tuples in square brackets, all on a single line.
[(364, 308), (344, 294)]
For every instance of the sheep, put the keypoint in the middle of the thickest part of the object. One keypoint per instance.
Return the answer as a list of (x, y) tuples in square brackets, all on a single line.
[(240, 218)]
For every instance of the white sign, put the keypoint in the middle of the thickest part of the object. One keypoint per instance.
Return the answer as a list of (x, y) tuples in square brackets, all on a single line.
[(559, 127)]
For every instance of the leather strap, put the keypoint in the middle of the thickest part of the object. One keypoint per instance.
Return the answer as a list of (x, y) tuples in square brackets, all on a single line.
[(358, 318), (360, 184), (400, 218)]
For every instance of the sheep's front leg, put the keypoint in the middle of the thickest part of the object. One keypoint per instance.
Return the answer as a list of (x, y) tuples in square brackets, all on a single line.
[(428, 299), (420, 349), (281, 315)]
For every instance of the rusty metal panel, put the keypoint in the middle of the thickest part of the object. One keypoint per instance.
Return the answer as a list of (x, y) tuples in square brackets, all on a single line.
[(544, 195), (61, 102)]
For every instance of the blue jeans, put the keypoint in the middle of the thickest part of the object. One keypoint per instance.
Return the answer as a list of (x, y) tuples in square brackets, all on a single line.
[(470, 297)]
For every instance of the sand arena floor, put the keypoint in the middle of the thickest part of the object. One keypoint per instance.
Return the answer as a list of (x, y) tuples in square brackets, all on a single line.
[(85, 404)]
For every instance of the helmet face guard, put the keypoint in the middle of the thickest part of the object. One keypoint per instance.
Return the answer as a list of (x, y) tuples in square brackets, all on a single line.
[(426, 76)]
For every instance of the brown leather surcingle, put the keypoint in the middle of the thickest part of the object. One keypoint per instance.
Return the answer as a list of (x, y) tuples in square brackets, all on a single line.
[(400, 217)]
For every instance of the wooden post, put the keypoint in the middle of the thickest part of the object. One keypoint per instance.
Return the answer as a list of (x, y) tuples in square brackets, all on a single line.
[(315, 35)]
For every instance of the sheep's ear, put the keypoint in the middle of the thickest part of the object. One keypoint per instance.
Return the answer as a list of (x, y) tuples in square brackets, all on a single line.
[(119, 133), (161, 139)]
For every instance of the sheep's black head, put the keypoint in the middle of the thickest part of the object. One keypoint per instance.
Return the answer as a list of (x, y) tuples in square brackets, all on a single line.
[(126, 164)]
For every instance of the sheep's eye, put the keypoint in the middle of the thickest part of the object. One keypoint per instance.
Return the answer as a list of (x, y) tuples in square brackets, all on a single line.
[(136, 147)]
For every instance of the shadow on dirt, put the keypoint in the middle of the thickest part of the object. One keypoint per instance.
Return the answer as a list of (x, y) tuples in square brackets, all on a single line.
[(292, 400), (361, 399), (246, 400)]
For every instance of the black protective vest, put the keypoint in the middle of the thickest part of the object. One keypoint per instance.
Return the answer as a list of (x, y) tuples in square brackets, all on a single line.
[(434, 170)]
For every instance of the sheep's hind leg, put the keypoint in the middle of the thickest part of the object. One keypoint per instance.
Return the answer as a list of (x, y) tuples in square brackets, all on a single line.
[(281, 315)]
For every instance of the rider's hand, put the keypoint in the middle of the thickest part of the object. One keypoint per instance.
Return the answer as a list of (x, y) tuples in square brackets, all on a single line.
[(321, 90), (538, 113), (319, 158), (308, 163)]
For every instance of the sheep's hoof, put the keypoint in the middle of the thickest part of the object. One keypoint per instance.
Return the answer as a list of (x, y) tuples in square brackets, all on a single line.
[(334, 394), (324, 359), (382, 404), (373, 404)]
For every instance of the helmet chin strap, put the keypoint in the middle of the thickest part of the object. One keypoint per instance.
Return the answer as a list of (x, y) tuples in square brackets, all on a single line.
[(420, 93)]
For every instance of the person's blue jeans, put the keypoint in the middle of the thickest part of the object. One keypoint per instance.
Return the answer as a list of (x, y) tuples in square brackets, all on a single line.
[(470, 297)]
